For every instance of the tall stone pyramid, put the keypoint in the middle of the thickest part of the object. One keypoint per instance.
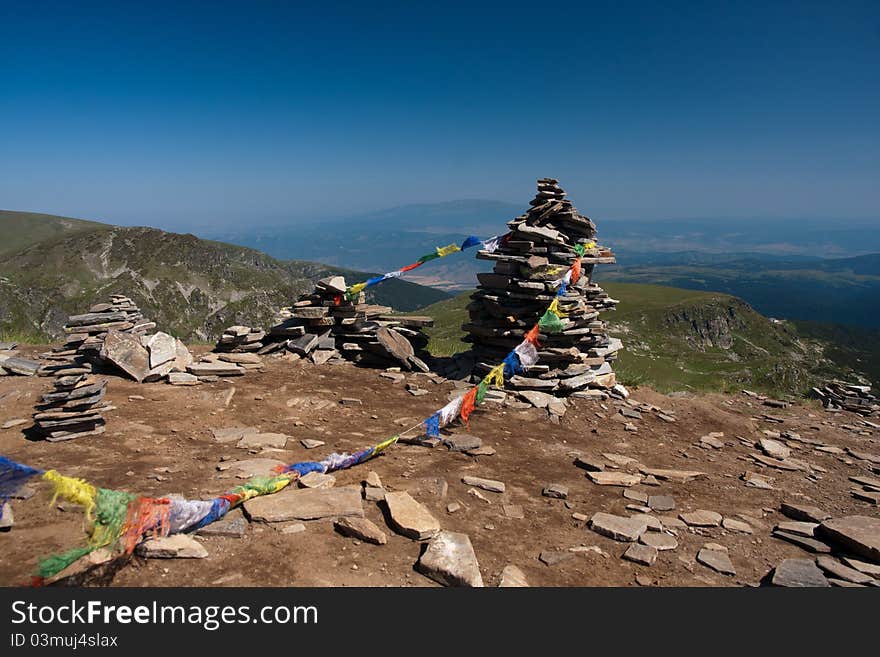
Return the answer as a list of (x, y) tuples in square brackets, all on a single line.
[(537, 251)]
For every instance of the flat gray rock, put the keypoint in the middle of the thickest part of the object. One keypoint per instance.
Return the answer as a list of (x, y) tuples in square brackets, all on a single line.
[(178, 546), (677, 476), (734, 525), (232, 525), (450, 560), (362, 529), (7, 519), (642, 554), (701, 518), (798, 573), (21, 366), (661, 502), (659, 541), (556, 491), (486, 484), (127, 353), (807, 529), (311, 443), (808, 544), (316, 480), (513, 577), (216, 368), (231, 434), (858, 534), (614, 478), (261, 440), (162, 348), (717, 560), (620, 528), (774, 448), (182, 379), (836, 569), (589, 463), (410, 518), (553, 557), (305, 504), (462, 442)]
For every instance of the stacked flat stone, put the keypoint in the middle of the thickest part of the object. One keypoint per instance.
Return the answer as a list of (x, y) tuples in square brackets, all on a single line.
[(12, 363), (838, 396), (81, 352), (513, 297), (325, 324), (240, 339), (73, 409)]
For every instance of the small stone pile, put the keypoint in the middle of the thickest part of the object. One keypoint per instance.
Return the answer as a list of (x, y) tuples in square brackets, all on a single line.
[(73, 410), (326, 324), (12, 363), (838, 396), (240, 339), (115, 336), (81, 352), (513, 297)]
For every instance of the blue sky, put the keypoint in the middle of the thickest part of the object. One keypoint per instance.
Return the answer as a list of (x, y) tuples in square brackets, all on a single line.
[(185, 115)]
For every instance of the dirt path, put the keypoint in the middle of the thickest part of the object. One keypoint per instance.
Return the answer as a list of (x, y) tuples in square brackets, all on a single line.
[(170, 428)]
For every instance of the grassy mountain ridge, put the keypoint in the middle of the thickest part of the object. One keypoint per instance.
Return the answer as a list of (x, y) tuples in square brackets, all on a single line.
[(677, 339), (22, 229), (191, 287)]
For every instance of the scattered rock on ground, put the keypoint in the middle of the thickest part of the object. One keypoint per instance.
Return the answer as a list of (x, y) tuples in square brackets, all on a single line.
[(450, 560)]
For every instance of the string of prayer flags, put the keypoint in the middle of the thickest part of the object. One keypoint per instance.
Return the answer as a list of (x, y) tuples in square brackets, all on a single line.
[(490, 244)]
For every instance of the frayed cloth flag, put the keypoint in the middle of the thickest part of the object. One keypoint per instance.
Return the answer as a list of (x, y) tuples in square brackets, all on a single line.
[(551, 323), (468, 401), (219, 508), (495, 377), (527, 353), (186, 513), (491, 245), (12, 477), (575, 272), (446, 250), (146, 515), (533, 334), (471, 241), (303, 468), (449, 412), (482, 389), (73, 490), (511, 363), (432, 426)]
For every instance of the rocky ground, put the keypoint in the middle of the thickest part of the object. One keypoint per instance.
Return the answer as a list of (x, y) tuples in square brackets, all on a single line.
[(708, 478)]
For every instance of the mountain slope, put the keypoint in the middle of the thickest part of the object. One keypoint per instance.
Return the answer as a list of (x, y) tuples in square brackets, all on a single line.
[(678, 339), (191, 287), (22, 229)]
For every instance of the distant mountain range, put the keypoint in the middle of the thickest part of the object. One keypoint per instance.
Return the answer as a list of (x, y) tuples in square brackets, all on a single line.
[(811, 270), (51, 267), (686, 340)]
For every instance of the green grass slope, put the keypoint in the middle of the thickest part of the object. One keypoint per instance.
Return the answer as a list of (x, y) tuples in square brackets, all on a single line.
[(191, 287), (22, 229), (678, 339)]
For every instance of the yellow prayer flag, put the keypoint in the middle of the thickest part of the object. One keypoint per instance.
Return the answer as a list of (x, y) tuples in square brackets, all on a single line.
[(495, 376), (446, 250)]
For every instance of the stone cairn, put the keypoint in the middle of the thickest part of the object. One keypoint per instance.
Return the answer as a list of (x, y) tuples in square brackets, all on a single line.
[(86, 333), (840, 396), (73, 410), (325, 324), (115, 336), (511, 299)]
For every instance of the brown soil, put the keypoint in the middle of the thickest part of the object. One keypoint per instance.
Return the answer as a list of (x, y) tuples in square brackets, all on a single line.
[(171, 426)]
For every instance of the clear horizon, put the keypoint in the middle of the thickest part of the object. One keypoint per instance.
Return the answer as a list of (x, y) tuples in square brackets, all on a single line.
[(184, 118)]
